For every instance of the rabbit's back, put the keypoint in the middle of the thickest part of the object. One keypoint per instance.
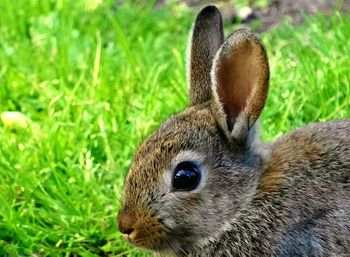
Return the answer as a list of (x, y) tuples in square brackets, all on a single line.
[(309, 178), (313, 161)]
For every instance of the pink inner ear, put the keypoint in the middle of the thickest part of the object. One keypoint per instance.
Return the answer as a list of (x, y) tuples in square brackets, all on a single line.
[(235, 80), (240, 75)]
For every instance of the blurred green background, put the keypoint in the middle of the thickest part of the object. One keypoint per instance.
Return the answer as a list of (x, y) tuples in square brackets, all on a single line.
[(83, 82)]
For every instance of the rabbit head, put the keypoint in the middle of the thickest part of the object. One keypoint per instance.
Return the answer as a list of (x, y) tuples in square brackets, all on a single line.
[(192, 175)]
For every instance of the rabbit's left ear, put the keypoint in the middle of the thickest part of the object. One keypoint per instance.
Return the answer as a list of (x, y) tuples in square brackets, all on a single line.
[(240, 76), (207, 37)]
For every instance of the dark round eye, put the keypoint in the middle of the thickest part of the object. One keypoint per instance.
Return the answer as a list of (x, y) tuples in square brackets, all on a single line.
[(186, 176)]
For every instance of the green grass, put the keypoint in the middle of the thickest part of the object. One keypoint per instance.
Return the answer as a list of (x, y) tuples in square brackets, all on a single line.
[(94, 82)]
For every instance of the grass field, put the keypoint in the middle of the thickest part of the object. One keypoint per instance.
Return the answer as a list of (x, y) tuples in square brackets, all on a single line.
[(92, 80)]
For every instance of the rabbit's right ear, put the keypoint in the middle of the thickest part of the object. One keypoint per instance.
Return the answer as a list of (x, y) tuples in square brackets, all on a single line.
[(207, 37), (240, 76)]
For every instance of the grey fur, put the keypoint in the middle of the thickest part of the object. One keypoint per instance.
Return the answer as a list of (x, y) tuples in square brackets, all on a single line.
[(287, 198)]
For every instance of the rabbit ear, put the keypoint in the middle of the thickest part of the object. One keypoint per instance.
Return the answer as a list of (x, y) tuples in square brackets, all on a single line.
[(207, 37), (240, 77)]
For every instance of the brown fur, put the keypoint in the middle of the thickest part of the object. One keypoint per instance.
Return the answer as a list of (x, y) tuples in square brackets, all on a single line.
[(147, 231), (286, 154)]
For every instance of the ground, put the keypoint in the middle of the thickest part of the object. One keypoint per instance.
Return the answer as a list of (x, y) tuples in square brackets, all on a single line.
[(82, 83), (293, 10), (267, 14)]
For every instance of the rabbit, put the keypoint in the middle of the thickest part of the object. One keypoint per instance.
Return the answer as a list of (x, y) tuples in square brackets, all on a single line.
[(204, 184)]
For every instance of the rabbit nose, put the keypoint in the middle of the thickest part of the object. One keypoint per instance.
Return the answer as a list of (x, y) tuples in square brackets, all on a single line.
[(126, 222)]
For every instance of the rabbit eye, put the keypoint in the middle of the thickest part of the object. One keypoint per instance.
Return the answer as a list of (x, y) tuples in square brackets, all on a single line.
[(186, 176)]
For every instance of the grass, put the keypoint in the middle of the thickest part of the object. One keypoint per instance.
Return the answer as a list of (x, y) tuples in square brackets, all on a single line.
[(93, 79)]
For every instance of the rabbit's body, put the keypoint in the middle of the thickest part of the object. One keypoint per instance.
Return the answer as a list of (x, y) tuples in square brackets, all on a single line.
[(302, 202), (204, 185)]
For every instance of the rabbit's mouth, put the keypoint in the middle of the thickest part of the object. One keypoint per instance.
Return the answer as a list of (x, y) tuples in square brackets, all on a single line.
[(143, 231), (145, 239)]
